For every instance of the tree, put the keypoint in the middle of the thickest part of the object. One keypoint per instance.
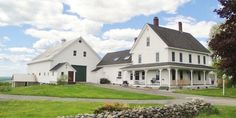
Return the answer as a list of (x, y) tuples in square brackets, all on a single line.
[(223, 43)]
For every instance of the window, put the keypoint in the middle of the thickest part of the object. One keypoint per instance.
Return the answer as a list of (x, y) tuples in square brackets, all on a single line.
[(74, 53), (127, 57), (48, 73), (157, 77), (84, 54), (44, 73), (119, 75), (204, 59), (181, 75), (143, 75), (180, 57), (148, 41), (62, 73), (198, 58), (116, 59), (199, 76), (173, 56), (173, 74), (80, 41), (131, 76), (136, 74), (190, 58), (39, 74), (157, 57), (139, 58), (52, 73)]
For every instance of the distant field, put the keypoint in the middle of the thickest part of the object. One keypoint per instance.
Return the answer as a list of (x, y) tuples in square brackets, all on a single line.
[(81, 91), (5, 79)]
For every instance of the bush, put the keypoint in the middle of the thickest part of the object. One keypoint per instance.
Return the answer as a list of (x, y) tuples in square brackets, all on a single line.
[(104, 81), (5, 88), (5, 84), (110, 107), (62, 80)]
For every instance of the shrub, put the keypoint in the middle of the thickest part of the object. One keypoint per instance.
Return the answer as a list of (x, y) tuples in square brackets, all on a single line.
[(5, 84), (104, 81), (62, 80), (5, 88), (110, 107)]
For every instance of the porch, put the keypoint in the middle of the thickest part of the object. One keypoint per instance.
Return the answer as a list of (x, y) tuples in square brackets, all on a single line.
[(171, 77)]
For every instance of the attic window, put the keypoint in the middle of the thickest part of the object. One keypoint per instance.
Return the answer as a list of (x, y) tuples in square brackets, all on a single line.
[(127, 57), (80, 41), (116, 59)]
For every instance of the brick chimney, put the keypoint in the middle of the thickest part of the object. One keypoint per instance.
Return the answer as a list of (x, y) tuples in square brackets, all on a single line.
[(63, 40), (156, 21), (180, 26), (135, 39)]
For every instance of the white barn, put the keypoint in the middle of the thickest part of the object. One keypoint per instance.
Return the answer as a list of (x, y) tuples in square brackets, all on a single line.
[(160, 57), (73, 59)]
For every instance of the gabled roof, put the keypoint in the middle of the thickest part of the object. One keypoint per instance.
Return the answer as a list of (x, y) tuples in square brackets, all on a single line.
[(53, 51), (57, 66), (119, 57), (177, 39), (168, 64)]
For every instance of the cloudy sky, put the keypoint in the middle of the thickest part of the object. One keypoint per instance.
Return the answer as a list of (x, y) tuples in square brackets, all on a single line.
[(28, 27)]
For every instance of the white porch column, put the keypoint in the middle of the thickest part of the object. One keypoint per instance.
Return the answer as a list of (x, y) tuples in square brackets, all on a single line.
[(133, 76), (145, 77), (204, 74), (176, 77), (191, 77), (169, 77), (160, 76)]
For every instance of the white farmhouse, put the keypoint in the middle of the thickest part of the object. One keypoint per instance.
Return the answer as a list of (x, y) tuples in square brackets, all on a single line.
[(73, 59), (160, 57)]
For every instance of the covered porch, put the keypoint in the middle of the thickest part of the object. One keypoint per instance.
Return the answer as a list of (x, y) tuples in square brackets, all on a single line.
[(171, 76)]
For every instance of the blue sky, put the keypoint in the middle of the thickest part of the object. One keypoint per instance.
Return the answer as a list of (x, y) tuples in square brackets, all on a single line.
[(27, 28)]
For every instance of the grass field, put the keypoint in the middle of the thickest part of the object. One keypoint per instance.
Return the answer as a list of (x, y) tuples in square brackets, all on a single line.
[(224, 112), (49, 109), (80, 91), (229, 92)]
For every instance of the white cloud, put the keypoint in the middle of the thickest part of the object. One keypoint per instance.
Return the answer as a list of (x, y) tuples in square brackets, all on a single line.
[(121, 34), (21, 50), (111, 11), (199, 29), (16, 58)]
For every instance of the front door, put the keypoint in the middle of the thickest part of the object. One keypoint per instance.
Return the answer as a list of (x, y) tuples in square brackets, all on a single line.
[(70, 76)]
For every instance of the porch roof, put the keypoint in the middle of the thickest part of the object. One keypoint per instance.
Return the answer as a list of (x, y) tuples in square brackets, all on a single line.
[(169, 64)]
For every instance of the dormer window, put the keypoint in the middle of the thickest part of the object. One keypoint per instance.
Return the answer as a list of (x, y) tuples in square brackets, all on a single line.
[(148, 41), (127, 57), (116, 59), (74, 53)]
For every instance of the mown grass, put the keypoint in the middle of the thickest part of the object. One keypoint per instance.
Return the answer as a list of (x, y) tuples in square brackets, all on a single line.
[(229, 92), (81, 91), (224, 112), (49, 109)]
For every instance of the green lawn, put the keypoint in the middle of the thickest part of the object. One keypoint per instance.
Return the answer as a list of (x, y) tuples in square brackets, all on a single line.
[(80, 91), (224, 112), (229, 92), (48, 109)]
